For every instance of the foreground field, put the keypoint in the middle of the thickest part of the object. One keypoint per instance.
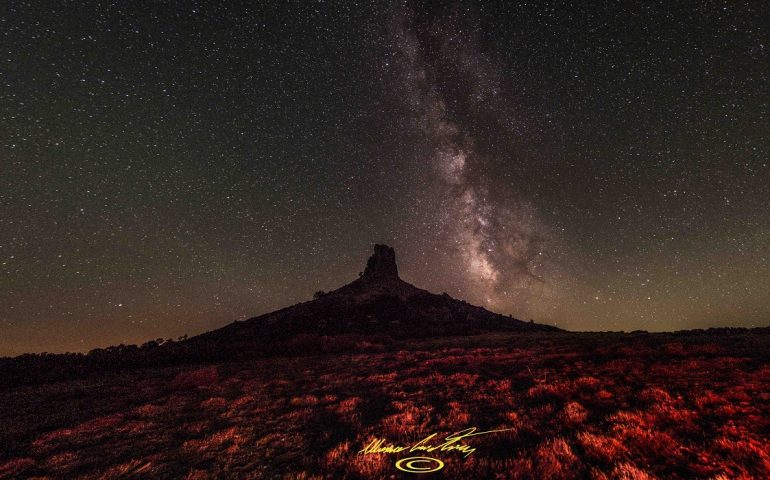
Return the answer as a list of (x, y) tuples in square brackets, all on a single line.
[(595, 406)]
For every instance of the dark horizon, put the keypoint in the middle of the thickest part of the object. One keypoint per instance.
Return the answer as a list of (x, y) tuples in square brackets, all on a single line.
[(363, 275)]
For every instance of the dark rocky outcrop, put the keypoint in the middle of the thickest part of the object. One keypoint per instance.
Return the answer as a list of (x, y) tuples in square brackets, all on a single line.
[(382, 265), (378, 302)]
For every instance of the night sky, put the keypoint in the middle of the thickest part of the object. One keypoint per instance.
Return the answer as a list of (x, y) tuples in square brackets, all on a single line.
[(169, 167)]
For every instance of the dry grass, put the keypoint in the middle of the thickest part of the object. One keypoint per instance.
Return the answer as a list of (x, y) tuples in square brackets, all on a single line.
[(599, 407)]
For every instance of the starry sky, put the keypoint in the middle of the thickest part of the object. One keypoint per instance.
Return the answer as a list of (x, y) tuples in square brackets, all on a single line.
[(169, 167)]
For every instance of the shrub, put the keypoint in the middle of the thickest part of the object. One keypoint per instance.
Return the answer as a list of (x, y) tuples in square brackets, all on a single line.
[(556, 460), (574, 414), (189, 379)]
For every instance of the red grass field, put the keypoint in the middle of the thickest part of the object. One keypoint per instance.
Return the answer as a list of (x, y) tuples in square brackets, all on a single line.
[(599, 406)]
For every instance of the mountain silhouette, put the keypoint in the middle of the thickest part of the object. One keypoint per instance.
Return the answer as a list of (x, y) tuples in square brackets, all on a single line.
[(378, 302)]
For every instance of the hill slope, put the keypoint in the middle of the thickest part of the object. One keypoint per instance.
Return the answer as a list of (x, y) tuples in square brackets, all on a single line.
[(377, 302)]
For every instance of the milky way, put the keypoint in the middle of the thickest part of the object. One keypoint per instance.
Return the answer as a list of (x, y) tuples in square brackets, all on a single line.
[(496, 240)]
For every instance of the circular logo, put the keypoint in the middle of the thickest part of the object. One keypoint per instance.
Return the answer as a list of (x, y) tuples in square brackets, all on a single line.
[(419, 464)]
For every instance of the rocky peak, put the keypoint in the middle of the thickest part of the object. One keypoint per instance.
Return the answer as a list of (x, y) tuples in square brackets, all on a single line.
[(381, 265)]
